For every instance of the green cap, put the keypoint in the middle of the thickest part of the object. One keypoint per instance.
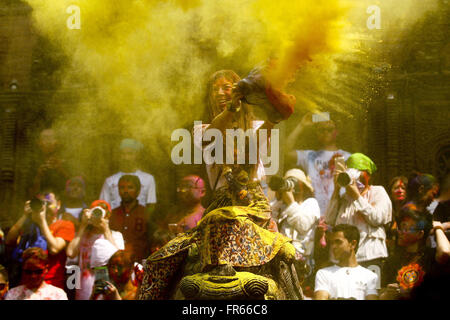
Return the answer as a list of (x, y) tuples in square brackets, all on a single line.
[(361, 162)]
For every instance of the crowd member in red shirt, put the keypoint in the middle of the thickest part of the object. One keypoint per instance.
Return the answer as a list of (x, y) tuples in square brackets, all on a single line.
[(131, 219), (57, 233)]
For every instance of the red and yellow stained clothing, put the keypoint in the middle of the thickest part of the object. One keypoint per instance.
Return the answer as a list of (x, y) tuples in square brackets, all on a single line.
[(57, 271), (133, 224)]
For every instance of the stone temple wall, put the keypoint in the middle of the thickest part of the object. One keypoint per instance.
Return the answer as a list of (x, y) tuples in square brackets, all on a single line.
[(404, 127)]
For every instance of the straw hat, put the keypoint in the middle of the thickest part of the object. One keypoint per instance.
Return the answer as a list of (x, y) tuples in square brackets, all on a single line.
[(300, 175)]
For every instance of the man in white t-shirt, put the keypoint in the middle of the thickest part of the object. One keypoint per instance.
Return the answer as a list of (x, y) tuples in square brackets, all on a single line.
[(346, 280), (318, 164), (129, 150)]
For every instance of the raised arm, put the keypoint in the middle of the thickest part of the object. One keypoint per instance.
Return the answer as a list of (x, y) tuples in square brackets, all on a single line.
[(442, 244), (14, 232), (73, 249), (292, 138), (54, 244)]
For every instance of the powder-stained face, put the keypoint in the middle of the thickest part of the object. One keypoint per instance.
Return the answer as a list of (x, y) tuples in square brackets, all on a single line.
[(118, 271), (33, 274), (430, 195), (53, 205), (191, 189), (221, 93), (408, 233), (364, 179), (398, 191)]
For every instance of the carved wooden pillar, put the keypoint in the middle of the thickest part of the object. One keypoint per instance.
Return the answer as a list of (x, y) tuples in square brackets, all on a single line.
[(8, 119)]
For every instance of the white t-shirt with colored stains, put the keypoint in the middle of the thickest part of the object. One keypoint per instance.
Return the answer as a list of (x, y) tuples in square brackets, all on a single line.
[(319, 166)]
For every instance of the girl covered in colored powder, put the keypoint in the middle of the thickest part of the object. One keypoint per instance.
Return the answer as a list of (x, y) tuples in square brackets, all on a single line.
[(397, 193), (234, 229)]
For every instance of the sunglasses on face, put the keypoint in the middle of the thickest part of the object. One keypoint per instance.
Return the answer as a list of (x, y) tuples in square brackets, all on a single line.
[(186, 189), (30, 272), (408, 230)]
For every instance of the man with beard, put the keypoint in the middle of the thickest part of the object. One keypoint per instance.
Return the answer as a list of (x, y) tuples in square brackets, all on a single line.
[(129, 155), (131, 218), (35, 268)]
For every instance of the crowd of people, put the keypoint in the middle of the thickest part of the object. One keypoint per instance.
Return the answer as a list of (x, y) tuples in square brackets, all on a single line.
[(354, 240)]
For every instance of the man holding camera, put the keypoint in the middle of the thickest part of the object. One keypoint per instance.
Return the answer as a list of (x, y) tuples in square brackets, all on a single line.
[(362, 205), (296, 211), (318, 164), (94, 232), (39, 227)]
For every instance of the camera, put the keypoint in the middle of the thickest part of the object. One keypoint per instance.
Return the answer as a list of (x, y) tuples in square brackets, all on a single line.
[(277, 183), (101, 276), (37, 204), (100, 287), (321, 117), (345, 178), (97, 213)]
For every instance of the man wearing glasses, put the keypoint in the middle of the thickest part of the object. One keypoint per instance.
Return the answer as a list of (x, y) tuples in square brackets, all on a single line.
[(187, 212), (190, 192), (34, 270)]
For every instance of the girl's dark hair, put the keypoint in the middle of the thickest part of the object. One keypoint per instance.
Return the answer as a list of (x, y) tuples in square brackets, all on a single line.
[(246, 114), (417, 180), (424, 220), (394, 181), (122, 257), (35, 254)]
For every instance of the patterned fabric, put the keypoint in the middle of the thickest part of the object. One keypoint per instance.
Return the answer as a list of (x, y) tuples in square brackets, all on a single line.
[(233, 235), (45, 292), (158, 275), (229, 236)]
